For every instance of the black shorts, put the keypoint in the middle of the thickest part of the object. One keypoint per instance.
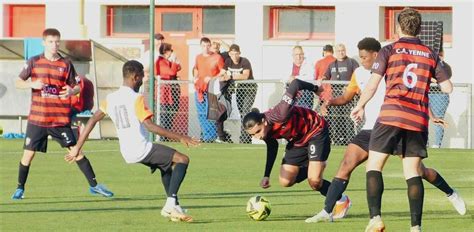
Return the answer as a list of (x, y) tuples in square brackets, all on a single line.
[(362, 140), (36, 138), (386, 139), (159, 157), (318, 149)]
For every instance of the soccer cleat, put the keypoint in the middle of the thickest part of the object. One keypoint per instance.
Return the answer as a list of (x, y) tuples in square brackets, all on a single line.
[(375, 225), (457, 202), (166, 211), (18, 194), (322, 216), (342, 207), (101, 190), (177, 214), (415, 229)]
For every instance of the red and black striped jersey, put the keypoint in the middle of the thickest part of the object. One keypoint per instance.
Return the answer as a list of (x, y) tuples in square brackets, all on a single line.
[(47, 108), (295, 124), (408, 67)]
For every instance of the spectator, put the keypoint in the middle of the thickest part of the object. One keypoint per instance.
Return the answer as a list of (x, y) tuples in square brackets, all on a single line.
[(208, 65), (439, 102), (320, 69), (167, 67), (216, 48), (239, 69), (342, 128), (302, 70), (159, 39)]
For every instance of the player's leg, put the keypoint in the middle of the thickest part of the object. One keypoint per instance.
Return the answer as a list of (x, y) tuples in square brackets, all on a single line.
[(36, 139), (414, 150), (318, 151), (432, 176), (294, 167)]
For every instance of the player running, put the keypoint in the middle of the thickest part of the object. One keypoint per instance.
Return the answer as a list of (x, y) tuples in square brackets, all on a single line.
[(126, 107), (307, 134), (407, 66), (358, 149)]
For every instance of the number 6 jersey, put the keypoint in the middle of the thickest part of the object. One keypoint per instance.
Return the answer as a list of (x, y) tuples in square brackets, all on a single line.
[(127, 110), (408, 67)]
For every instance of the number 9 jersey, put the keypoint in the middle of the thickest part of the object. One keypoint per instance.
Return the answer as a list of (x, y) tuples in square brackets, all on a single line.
[(408, 67)]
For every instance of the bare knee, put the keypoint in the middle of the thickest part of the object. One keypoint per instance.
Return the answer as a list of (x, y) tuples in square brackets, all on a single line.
[(315, 183), (180, 158), (285, 182)]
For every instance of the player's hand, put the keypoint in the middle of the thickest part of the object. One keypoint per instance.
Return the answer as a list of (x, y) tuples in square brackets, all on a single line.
[(71, 157), (36, 84), (66, 92), (440, 122), (207, 79), (357, 114), (188, 141), (265, 182)]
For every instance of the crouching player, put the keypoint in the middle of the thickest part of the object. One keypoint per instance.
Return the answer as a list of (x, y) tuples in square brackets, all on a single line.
[(308, 139), (126, 107)]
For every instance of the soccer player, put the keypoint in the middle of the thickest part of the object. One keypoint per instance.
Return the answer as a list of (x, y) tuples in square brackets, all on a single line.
[(126, 107), (307, 134), (53, 82), (407, 66), (358, 149)]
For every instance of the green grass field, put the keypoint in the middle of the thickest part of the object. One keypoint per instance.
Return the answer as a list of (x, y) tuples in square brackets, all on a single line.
[(220, 180)]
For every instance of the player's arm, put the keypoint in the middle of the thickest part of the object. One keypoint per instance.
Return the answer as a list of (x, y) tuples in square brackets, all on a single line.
[(152, 127), (74, 151), (357, 113), (435, 120), (345, 98), (443, 78), (22, 81), (272, 150)]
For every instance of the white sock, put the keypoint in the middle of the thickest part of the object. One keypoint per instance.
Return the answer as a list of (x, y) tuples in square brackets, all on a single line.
[(170, 202)]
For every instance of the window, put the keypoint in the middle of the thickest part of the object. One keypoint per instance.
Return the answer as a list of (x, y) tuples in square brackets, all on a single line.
[(25, 20), (444, 14), (302, 23), (172, 21), (218, 20), (127, 20)]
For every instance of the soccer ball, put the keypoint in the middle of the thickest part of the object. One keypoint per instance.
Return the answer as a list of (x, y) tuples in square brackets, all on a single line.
[(258, 208)]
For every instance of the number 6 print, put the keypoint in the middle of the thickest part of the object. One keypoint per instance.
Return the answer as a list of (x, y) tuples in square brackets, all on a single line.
[(408, 73)]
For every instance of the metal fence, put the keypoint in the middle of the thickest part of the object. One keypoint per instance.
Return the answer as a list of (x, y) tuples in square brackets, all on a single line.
[(178, 110)]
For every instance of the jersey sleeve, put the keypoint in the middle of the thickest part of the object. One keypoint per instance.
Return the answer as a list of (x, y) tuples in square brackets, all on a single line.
[(72, 74), (353, 87), (103, 106), (441, 72), (381, 62), (141, 110), (25, 73)]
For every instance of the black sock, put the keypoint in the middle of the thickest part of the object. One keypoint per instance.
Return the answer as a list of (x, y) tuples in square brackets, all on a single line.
[(338, 186), (325, 187), (374, 185), (22, 175), (442, 185), (302, 174), (416, 193), (177, 177), (86, 168), (166, 179)]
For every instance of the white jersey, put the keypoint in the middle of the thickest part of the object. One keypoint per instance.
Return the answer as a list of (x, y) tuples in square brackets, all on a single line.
[(127, 110), (361, 77)]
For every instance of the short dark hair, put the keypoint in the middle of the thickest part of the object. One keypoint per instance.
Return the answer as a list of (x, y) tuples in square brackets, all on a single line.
[(51, 32), (159, 36), (234, 47), (409, 20), (253, 118), (164, 47), (369, 44), (131, 68), (328, 48), (205, 40)]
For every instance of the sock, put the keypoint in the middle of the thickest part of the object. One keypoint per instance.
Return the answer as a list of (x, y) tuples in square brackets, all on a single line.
[(442, 185), (170, 202), (374, 185), (416, 193), (177, 178), (338, 186), (325, 187), (302, 174), (86, 168), (22, 175), (166, 179)]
